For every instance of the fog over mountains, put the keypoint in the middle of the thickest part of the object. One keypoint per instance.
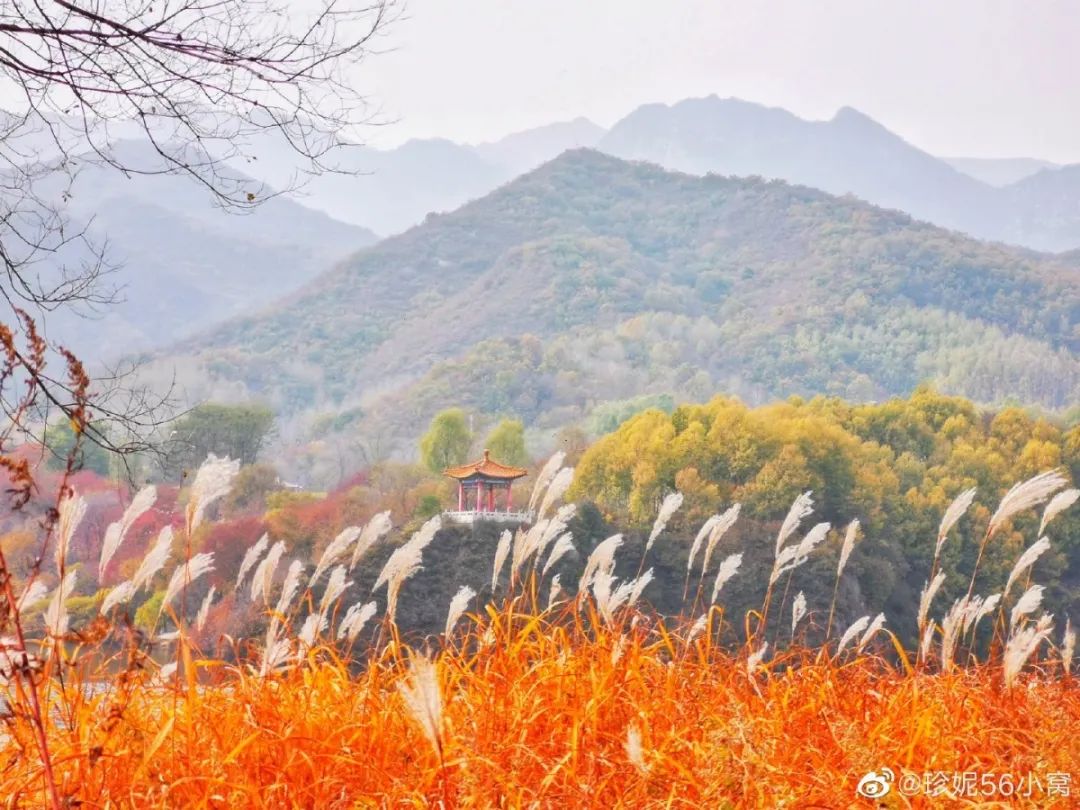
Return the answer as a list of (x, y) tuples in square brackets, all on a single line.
[(1025, 202), (186, 265)]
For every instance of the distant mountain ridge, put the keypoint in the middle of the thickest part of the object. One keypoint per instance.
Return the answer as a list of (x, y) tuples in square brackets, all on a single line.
[(1023, 202), (183, 264), (593, 279)]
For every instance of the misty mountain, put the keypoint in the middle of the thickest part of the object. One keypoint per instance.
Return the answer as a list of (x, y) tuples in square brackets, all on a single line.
[(524, 151), (999, 171), (594, 279), (390, 190), (179, 262), (849, 154)]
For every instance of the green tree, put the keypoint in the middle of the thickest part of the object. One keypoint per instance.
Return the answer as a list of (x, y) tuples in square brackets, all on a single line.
[(60, 441), (447, 440), (236, 431), (507, 443)]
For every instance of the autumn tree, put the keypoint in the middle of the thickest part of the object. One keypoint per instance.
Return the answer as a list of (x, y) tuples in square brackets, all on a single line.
[(447, 440), (507, 443)]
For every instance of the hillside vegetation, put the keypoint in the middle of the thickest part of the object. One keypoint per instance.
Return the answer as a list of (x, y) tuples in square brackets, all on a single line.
[(624, 280)]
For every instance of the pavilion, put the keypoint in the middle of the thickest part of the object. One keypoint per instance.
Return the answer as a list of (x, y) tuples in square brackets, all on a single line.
[(481, 485)]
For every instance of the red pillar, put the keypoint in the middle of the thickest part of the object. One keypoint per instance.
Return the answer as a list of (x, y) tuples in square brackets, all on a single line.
[(460, 497), (509, 498), (491, 497)]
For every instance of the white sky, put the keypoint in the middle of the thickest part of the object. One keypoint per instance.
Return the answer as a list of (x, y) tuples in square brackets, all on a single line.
[(980, 78)]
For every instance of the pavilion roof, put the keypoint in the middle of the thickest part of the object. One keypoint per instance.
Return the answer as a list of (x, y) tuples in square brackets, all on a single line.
[(486, 468)]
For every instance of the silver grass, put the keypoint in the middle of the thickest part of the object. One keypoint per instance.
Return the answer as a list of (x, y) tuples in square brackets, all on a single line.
[(791, 557), (929, 591), (71, 509), (275, 655), (634, 751), (785, 561), (457, 608), (563, 546), (423, 700), (121, 594), (251, 556), (288, 589), (728, 568), (926, 641), (186, 574), (1068, 647), (116, 532), (56, 615), (314, 626), (961, 503), (802, 506), (555, 590), (403, 563), (703, 532), (849, 545), (555, 528), (630, 592), (501, 552), (812, 540), (638, 587), (1022, 645), (985, 609), (857, 627), (603, 593), (719, 529), (204, 609), (263, 578), (155, 559), (951, 626), (212, 481), (556, 489), (602, 557), (618, 649), (1026, 605), (335, 587), (544, 477), (354, 620), (167, 670), (798, 611), (337, 549), (875, 627), (408, 556), (668, 508), (971, 612), (33, 594), (698, 627), (375, 530), (1058, 504), (1026, 495), (755, 658), (1026, 560)]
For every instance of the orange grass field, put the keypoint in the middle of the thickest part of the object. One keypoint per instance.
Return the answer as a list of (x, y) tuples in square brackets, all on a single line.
[(542, 713)]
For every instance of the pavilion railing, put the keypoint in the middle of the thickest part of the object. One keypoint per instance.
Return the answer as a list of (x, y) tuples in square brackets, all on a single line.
[(496, 516)]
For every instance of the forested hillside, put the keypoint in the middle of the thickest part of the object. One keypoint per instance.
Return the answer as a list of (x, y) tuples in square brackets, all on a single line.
[(625, 279)]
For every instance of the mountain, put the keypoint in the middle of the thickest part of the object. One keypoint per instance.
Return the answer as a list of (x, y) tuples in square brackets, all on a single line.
[(851, 153), (390, 190), (524, 151), (181, 263), (593, 279), (1044, 208), (999, 171)]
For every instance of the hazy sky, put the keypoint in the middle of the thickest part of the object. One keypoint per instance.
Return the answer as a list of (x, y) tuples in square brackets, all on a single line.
[(983, 78)]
